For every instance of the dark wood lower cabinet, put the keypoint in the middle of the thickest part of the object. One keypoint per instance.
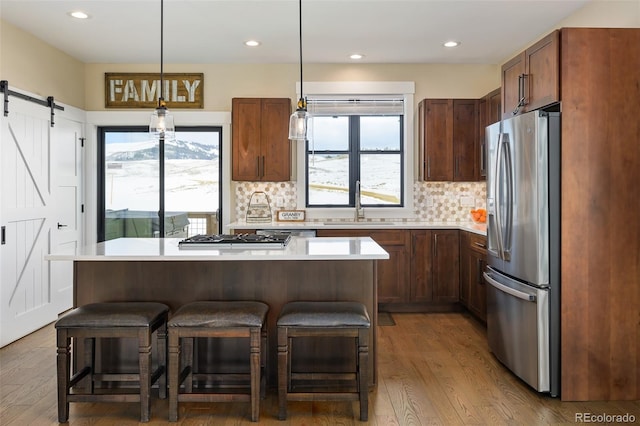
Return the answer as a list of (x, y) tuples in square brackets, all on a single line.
[(422, 273), (421, 267), (393, 274), (445, 257), (473, 260)]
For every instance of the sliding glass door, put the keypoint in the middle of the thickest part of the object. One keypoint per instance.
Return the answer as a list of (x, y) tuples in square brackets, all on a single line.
[(130, 197)]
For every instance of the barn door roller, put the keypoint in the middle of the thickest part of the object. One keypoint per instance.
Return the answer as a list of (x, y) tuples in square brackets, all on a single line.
[(49, 103)]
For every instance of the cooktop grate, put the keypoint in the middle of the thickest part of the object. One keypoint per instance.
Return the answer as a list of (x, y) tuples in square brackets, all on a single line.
[(239, 241)]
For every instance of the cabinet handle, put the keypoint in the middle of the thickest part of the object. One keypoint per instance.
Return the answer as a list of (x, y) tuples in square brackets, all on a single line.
[(429, 167), (264, 172), (519, 88), (522, 96), (483, 161), (479, 244), (258, 167), (479, 271), (435, 245)]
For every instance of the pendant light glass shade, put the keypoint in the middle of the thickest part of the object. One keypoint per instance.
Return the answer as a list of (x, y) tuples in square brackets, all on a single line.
[(161, 124), (298, 120)]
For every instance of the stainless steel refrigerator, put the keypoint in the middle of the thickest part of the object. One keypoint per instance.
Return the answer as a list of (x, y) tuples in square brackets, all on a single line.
[(523, 222)]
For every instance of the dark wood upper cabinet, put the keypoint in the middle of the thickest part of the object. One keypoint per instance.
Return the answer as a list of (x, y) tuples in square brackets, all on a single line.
[(531, 80), (489, 112), (494, 106), (435, 118), (465, 140), (260, 139), (448, 137)]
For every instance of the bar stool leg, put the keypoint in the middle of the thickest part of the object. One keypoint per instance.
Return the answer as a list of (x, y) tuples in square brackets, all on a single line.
[(63, 365), (187, 347), (265, 363), (162, 360), (255, 343), (363, 372), (89, 360), (283, 353), (144, 354), (174, 374)]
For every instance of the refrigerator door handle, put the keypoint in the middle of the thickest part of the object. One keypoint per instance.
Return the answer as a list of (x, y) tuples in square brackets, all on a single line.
[(496, 191), (505, 289), (506, 242)]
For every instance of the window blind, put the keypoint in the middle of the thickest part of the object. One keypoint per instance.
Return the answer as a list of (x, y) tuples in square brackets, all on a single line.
[(379, 105)]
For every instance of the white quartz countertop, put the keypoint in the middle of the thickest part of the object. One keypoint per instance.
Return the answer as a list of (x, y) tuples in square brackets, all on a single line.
[(364, 224), (166, 249)]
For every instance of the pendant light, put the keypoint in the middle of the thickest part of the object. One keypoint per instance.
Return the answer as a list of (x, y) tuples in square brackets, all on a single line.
[(298, 120), (161, 125)]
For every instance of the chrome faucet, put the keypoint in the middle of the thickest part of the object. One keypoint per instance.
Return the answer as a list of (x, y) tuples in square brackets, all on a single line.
[(359, 214)]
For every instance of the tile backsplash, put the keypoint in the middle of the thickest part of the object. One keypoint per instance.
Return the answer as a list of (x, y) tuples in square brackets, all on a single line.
[(432, 201)]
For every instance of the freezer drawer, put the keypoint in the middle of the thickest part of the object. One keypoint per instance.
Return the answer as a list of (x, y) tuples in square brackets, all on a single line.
[(518, 328)]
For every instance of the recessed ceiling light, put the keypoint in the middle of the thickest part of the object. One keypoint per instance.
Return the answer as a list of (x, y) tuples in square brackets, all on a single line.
[(252, 43), (451, 44), (79, 14), (356, 56)]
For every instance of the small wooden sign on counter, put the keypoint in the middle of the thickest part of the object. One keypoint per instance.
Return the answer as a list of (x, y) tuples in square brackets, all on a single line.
[(142, 90), (290, 216)]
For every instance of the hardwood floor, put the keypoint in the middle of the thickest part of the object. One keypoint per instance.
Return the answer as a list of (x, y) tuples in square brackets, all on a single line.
[(433, 369)]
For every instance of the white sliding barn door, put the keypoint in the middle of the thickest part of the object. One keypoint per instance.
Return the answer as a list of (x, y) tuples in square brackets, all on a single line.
[(39, 188), (66, 222)]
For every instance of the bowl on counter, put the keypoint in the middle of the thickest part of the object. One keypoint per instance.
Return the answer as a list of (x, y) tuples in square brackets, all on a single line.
[(479, 216)]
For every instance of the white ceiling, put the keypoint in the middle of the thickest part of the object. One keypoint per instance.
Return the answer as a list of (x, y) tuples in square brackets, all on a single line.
[(214, 31)]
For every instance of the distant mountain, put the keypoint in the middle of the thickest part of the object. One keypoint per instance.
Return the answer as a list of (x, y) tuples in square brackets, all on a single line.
[(174, 150)]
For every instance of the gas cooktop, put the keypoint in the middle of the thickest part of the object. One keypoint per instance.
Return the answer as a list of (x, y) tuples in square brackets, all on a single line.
[(238, 241)]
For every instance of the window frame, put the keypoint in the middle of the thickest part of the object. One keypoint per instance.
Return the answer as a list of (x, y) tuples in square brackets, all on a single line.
[(101, 170), (403, 89), (355, 153), (95, 119)]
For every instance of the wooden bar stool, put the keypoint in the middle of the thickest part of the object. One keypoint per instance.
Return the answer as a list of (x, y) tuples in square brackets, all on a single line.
[(209, 319), (136, 320), (323, 319)]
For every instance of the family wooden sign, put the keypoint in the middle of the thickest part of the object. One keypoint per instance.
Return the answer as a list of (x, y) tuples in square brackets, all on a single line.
[(140, 90)]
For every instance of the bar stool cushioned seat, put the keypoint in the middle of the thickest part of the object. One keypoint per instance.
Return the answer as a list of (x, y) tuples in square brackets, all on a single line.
[(137, 320), (216, 319), (323, 319)]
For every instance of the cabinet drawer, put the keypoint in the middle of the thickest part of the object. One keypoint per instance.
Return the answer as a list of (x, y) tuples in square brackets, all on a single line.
[(477, 242), (382, 237)]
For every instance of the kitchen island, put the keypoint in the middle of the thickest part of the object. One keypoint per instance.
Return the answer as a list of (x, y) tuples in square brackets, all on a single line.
[(151, 269)]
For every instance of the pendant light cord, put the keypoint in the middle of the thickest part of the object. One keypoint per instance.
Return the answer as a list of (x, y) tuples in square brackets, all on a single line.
[(161, 52), (300, 26)]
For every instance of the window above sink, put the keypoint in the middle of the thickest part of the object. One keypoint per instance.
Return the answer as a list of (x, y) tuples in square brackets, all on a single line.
[(344, 147)]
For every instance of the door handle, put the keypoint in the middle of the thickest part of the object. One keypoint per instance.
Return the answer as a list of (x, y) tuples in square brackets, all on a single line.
[(519, 294), (60, 225)]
